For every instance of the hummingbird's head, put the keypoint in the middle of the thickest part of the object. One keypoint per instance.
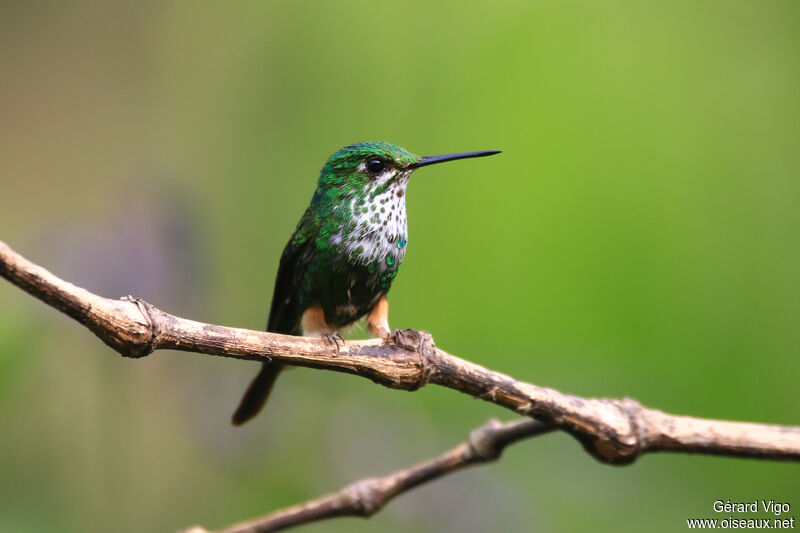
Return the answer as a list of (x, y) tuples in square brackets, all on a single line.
[(360, 200), (366, 166)]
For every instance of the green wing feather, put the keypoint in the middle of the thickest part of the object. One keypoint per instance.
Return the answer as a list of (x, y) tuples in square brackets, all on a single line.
[(287, 307)]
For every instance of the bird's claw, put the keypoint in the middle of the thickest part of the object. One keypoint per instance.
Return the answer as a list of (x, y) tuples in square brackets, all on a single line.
[(334, 338), (408, 339)]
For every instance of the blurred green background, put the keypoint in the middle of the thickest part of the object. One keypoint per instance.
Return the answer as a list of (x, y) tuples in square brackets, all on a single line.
[(638, 237)]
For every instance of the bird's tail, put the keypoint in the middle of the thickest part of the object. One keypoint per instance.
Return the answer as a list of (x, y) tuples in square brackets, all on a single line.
[(257, 393)]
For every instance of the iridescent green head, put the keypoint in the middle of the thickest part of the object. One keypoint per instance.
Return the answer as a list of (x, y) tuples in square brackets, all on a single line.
[(358, 213), (366, 165), (363, 165)]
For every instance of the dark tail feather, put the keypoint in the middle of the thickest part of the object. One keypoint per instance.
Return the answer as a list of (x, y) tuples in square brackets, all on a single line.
[(257, 393)]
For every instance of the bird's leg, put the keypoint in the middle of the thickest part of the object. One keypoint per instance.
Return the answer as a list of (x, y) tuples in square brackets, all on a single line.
[(313, 324), (378, 319), (378, 324), (333, 338)]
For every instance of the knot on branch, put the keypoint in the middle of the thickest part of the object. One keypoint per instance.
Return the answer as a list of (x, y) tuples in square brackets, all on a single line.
[(366, 496), (618, 436), (483, 442), (427, 350), (137, 340)]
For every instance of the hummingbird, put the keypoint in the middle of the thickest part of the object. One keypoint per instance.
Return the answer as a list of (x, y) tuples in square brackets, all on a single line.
[(344, 254)]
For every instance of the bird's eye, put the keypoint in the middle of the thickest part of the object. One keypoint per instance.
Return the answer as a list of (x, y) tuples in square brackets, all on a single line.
[(375, 166)]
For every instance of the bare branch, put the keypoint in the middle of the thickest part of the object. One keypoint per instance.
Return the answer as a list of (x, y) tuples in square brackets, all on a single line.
[(614, 431), (367, 496)]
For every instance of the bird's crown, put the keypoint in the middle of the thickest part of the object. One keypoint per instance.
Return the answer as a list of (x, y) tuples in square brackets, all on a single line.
[(365, 162)]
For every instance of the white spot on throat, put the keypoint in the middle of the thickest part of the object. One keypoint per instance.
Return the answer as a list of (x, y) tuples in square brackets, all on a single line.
[(381, 227)]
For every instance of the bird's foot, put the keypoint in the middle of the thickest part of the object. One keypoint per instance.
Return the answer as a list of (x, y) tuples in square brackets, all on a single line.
[(334, 338), (408, 339)]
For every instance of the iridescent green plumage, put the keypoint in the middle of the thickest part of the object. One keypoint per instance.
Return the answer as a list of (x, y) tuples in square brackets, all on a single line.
[(345, 251)]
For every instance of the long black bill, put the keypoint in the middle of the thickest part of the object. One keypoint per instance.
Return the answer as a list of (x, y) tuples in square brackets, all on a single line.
[(432, 159)]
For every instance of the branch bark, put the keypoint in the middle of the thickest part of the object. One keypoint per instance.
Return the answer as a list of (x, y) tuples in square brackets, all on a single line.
[(616, 431), (366, 497)]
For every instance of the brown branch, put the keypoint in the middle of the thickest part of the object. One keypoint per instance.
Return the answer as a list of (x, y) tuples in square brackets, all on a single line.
[(367, 496), (614, 431)]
